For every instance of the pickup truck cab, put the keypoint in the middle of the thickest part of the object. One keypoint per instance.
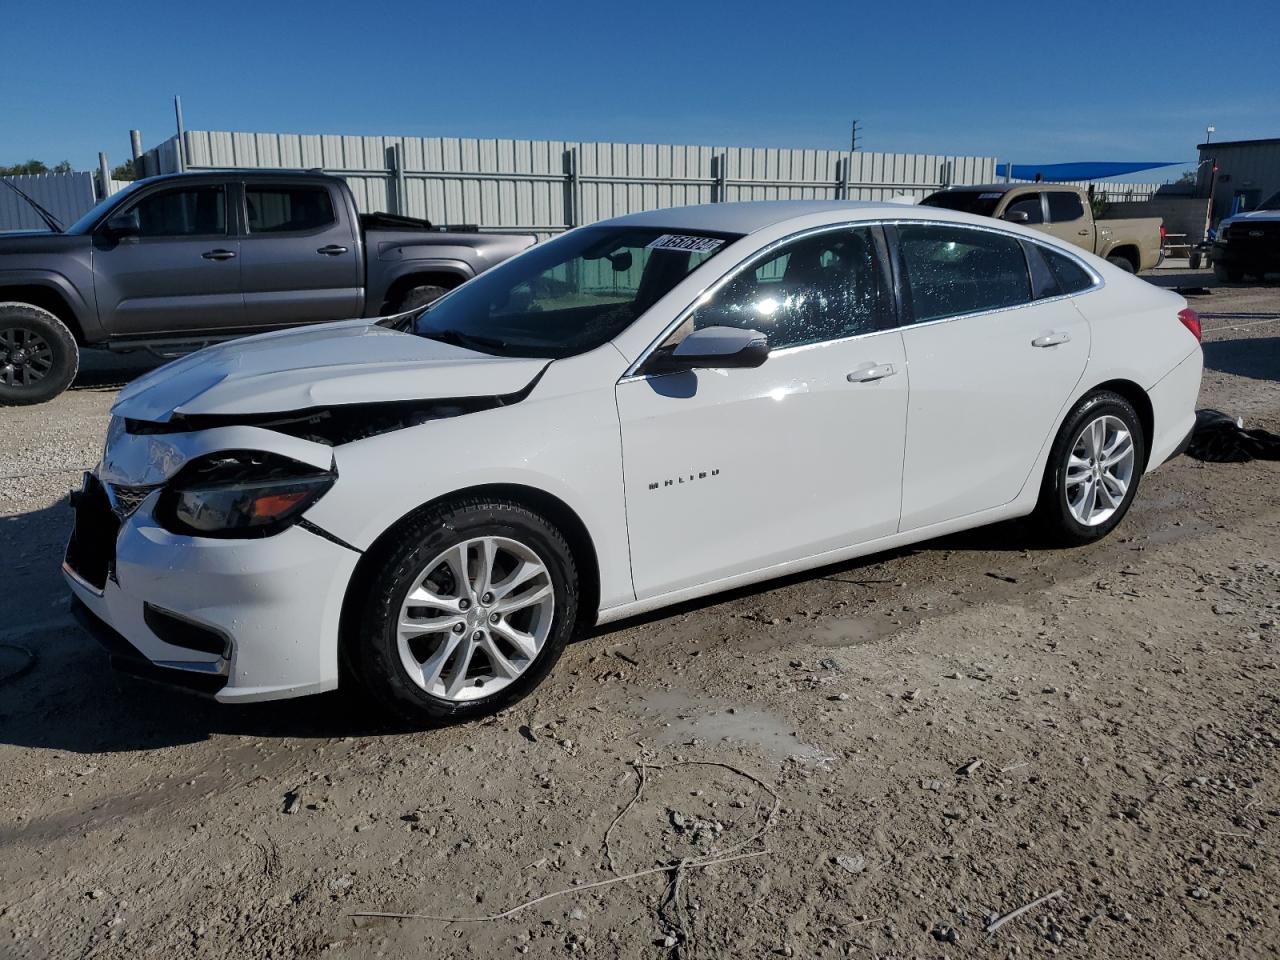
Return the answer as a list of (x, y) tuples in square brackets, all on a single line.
[(1248, 244), (1062, 211), (173, 262)]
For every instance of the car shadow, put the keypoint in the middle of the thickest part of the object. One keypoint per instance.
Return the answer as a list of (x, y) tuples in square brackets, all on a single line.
[(1255, 357), (58, 692)]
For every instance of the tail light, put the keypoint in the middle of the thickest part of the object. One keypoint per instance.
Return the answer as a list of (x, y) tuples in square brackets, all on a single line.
[(1162, 235), (1191, 320)]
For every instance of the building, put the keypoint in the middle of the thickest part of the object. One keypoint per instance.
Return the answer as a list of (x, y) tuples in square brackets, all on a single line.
[(1248, 171)]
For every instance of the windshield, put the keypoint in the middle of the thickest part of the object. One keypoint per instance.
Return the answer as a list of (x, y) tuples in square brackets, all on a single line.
[(568, 295), (86, 222), (980, 202), (1271, 203)]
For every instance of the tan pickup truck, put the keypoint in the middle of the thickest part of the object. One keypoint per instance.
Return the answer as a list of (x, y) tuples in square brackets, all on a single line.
[(1063, 211)]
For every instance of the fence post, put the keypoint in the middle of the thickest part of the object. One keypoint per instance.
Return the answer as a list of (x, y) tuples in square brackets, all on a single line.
[(721, 163), (571, 177), (104, 177), (180, 151), (846, 164), (395, 166)]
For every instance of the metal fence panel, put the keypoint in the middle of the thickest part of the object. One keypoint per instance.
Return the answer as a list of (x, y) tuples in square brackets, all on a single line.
[(66, 195)]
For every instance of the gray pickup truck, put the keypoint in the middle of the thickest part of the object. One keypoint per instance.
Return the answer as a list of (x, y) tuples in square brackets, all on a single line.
[(174, 262)]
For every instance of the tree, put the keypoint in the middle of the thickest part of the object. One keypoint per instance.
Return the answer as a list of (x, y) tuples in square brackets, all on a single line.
[(124, 172), (34, 166), (1188, 177)]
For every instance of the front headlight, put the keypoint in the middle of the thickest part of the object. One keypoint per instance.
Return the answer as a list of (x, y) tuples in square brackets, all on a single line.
[(240, 493), (1221, 234)]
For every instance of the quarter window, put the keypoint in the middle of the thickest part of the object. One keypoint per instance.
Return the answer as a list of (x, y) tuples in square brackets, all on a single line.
[(287, 209), (1028, 204), (823, 287), (1064, 206), (190, 212), (1072, 278), (953, 270)]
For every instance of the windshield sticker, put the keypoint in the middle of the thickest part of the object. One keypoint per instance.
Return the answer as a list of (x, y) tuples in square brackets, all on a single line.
[(675, 241)]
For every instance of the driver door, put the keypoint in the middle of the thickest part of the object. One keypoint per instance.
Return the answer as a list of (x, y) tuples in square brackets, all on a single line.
[(731, 471)]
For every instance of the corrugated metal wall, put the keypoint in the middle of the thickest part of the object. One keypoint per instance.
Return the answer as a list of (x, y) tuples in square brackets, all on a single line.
[(547, 186), (65, 195), (1251, 168)]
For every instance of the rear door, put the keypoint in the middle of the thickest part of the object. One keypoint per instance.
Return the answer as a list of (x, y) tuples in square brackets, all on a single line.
[(991, 369), (1068, 219), (180, 274), (300, 256)]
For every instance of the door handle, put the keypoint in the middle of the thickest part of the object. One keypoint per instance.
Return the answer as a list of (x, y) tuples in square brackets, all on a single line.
[(218, 254), (1082, 233), (872, 371), (332, 250), (1051, 340)]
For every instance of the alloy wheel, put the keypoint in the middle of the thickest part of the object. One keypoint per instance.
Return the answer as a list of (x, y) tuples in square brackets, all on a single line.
[(476, 618), (25, 357), (1099, 470)]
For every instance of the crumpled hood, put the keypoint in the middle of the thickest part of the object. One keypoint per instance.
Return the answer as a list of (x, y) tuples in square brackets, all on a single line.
[(354, 361)]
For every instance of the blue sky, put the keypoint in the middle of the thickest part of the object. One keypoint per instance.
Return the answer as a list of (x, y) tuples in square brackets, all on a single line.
[(1030, 82)]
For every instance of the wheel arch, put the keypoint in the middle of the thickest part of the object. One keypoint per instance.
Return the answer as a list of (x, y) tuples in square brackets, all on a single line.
[(46, 297), (549, 506), (1129, 252), (430, 276), (1141, 403)]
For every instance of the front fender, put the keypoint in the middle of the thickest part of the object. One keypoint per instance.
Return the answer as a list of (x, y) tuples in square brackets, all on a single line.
[(384, 274), (84, 309)]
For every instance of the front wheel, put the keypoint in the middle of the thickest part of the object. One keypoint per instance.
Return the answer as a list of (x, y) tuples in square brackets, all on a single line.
[(1093, 470), (464, 612), (38, 355)]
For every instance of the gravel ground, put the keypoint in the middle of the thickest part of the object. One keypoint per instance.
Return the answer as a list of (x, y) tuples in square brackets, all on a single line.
[(952, 732)]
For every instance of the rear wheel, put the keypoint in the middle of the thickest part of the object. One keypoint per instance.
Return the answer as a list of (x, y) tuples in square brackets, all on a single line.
[(1093, 471), (465, 612), (1227, 274), (416, 297), (1124, 263), (38, 355)]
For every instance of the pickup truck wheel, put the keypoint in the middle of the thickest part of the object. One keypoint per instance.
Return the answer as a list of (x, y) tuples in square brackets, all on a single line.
[(1228, 274), (416, 297), (38, 355), (463, 612), (1121, 262)]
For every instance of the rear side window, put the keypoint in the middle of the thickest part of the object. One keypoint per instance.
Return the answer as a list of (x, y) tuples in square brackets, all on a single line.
[(1028, 204), (822, 287), (287, 209), (189, 212), (1072, 278), (953, 270), (1064, 206)]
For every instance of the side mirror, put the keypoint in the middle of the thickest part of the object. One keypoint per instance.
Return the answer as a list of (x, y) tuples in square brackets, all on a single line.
[(1016, 216), (124, 225), (715, 347)]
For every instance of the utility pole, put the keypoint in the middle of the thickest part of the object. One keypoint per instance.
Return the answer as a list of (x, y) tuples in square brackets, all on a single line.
[(181, 145), (853, 137)]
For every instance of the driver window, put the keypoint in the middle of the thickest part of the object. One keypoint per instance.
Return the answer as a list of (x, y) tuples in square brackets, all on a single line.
[(187, 212), (824, 287), (1028, 204)]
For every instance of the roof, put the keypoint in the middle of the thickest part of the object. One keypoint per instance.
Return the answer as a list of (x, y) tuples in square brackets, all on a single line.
[(749, 216), (1001, 187), (256, 172), (1270, 141)]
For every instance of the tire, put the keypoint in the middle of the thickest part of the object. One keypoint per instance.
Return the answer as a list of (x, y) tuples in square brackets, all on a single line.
[(416, 297), (1195, 259), (1064, 506), (378, 654), (1123, 263), (1228, 274), (38, 355)]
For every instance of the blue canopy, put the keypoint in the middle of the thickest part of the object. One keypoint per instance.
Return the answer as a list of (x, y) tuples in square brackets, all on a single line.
[(1086, 170)]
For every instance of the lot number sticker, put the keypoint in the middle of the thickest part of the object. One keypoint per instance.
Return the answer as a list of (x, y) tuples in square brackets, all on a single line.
[(676, 241)]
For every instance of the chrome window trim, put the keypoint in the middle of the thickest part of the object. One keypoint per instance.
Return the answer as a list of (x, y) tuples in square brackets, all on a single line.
[(711, 289)]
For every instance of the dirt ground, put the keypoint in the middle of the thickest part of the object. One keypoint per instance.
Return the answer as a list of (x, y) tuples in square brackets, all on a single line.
[(953, 732)]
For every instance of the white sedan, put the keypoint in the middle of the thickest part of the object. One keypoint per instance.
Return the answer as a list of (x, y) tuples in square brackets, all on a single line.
[(634, 414)]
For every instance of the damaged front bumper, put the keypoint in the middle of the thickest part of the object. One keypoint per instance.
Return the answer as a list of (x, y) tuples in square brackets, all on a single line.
[(241, 619)]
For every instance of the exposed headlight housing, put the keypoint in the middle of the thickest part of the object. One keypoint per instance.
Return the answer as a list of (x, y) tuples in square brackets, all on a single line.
[(240, 493)]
